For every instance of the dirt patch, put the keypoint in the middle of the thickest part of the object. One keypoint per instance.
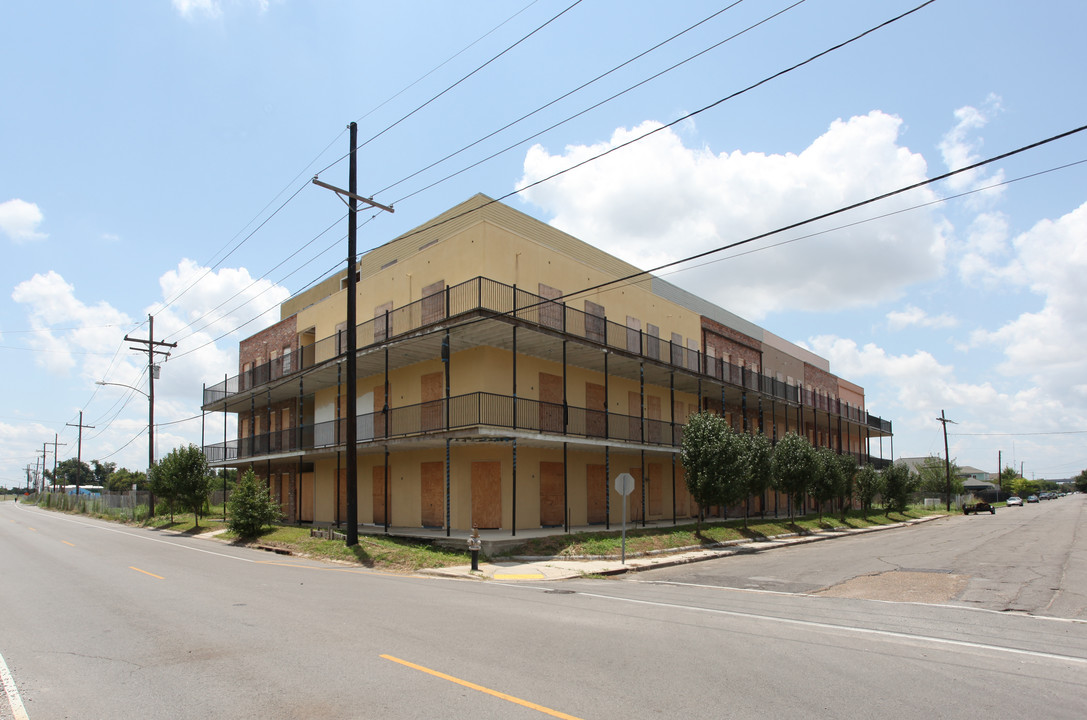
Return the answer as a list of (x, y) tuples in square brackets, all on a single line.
[(901, 586)]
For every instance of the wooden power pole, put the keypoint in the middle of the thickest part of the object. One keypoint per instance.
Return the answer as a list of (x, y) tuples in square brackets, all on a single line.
[(152, 370)]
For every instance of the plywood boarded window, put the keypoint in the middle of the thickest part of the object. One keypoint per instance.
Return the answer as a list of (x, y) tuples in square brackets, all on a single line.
[(634, 410), (551, 396), (653, 414), (634, 334), (381, 502), (595, 324), (551, 313), (431, 394), (596, 493), (432, 494), (596, 410), (653, 341), (487, 495), (434, 302), (552, 498), (382, 321)]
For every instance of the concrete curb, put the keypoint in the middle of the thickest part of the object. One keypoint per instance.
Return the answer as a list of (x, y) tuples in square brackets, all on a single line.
[(537, 568)]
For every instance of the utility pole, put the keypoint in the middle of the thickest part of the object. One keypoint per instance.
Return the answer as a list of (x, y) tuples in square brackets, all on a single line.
[(999, 474), (79, 451), (55, 443), (352, 333), (947, 457), (152, 370)]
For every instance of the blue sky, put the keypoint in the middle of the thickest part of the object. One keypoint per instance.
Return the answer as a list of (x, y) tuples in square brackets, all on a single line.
[(155, 157)]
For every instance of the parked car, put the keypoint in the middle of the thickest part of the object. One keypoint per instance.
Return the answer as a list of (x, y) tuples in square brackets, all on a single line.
[(1013, 500), (1032, 498), (978, 507)]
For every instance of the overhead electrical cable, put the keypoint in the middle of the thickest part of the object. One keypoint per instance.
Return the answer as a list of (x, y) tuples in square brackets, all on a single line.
[(437, 67), (458, 82), (563, 97), (883, 216), (675, 122)]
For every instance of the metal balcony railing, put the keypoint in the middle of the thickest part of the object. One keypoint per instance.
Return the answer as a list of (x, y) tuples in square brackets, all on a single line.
[(488, 296), (463, 411)]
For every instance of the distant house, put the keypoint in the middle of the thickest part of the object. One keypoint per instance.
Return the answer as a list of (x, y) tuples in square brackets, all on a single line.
[(973, 480)]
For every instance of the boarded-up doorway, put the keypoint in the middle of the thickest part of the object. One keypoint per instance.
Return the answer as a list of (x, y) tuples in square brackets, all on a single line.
[(380, 501), (551, 395), (432, 494), (487, 494), (596, 493), (552, 500), (305, 489)]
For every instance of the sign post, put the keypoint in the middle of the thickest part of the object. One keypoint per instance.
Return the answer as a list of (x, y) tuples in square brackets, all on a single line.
[(624, 485)]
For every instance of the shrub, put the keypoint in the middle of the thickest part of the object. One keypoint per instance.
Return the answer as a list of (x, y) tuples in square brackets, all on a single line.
[(251, 507)]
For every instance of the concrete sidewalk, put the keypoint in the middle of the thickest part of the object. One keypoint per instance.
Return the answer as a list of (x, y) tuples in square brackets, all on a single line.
[(536, 569)]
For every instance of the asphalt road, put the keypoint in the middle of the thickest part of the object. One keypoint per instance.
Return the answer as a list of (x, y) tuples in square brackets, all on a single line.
[(101, 621), (1030, 559)]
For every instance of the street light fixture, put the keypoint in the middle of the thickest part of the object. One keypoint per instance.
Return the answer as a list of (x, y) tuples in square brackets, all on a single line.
[(150, 432), (141, 392)]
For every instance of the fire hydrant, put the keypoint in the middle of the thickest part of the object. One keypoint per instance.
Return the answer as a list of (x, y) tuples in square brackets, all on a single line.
[(475, 544)]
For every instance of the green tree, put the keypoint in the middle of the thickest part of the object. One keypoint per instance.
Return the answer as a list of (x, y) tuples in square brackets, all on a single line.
[(1023, 487), (102, 471), (122, 480), (182, 477), (848, 466), (932, 476), (1081, 481), (827, 478), (898, 484), (757, 464), (251, 507), (793, 467), (869, 487), (700, 452), (70, 472)]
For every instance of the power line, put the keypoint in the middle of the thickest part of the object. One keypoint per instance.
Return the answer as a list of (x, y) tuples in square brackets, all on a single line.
[(568, 94), (458, 82)]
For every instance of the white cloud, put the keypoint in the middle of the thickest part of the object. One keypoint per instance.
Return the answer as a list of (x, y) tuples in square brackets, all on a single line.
[(190, 9), (84, 330), (915, 316), (19, 220), (1050, 345), (959, 148), (657, 200), (85, 341)]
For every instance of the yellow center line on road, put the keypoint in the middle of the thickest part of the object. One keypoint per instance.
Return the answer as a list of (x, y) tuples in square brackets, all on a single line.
[(130, 567), (480, 688), (68, 543)]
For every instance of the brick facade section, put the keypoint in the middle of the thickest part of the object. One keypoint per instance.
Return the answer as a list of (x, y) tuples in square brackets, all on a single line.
[(258, 348), (821, 380), (726, 341)]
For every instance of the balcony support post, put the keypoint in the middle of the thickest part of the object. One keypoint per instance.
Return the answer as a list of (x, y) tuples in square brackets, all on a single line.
[(565, 490), (645, 481), (607, 488), (673, 489), (515, 360), (607, 403), (565, 406), (513, 522), (448, 519)]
